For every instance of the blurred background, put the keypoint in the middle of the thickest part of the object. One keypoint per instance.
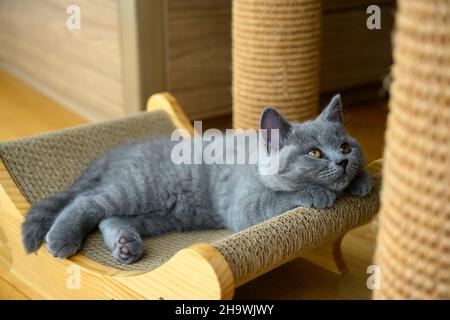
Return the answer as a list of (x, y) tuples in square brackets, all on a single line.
[(125, 50)]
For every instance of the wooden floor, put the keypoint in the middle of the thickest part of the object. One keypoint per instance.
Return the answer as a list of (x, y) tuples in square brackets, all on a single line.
[(23, 111)]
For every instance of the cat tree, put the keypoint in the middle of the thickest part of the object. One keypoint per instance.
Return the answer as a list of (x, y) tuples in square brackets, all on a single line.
[(413, 245), (275, 59)]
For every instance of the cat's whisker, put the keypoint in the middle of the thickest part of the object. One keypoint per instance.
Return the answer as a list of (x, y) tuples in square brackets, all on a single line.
[(326, 174)]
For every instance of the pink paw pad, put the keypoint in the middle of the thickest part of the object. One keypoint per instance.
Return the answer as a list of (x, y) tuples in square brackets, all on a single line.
[(123, 240)]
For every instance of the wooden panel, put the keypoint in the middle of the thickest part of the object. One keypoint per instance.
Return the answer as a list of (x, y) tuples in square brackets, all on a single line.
[(199, 44), (351, 54), (81, 69), (14, 288), (143, 30), (8, 292)]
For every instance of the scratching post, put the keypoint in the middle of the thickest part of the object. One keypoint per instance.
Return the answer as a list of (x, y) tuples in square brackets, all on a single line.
[(413, 244), (275, 58)]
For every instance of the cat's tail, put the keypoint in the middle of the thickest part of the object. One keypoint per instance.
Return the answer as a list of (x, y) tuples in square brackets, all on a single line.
[(40, 219)]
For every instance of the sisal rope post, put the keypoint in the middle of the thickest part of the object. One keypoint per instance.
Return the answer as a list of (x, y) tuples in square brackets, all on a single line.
[(276, 45), (413, 243)]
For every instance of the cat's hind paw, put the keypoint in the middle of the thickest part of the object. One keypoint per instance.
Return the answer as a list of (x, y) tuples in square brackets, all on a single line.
[(129, 247), (63, 244), (32, 235)]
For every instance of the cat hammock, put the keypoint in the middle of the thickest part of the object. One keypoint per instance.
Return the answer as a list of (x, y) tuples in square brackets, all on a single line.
[(206, 264)]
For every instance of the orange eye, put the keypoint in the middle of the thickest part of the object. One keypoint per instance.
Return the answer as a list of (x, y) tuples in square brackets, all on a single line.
[(315, 153), (345, 148)]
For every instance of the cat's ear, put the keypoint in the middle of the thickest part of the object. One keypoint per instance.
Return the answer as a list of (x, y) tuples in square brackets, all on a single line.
[(333, 112), (271, 119)]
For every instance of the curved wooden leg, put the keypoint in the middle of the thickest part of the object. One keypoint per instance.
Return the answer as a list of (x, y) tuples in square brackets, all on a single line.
[(328, 256)]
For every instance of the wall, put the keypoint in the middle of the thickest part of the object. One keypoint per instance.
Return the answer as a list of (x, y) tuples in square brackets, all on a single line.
[(80, 69), (199, 56), (182, 46)]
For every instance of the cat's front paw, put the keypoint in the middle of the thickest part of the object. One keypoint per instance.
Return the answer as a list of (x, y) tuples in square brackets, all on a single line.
[(320, 198), (62, 243), (360, 185)]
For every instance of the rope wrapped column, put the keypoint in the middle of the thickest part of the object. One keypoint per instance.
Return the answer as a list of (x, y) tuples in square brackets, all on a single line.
[(276, 45), (413, 244)]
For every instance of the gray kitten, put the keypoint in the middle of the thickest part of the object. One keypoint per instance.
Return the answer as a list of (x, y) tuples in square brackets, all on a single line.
[(136, 191)]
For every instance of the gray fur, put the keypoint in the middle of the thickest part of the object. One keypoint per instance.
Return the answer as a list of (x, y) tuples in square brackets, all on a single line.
[(136, 191)]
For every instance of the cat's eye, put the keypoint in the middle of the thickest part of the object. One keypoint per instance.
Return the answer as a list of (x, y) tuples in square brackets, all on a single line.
[(345, 148), (315, 153)]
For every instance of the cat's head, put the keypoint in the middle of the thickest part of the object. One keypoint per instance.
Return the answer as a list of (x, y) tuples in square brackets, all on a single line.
[(319, 151)]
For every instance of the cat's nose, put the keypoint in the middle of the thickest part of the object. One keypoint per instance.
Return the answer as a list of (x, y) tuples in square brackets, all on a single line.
[(343, 163)]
